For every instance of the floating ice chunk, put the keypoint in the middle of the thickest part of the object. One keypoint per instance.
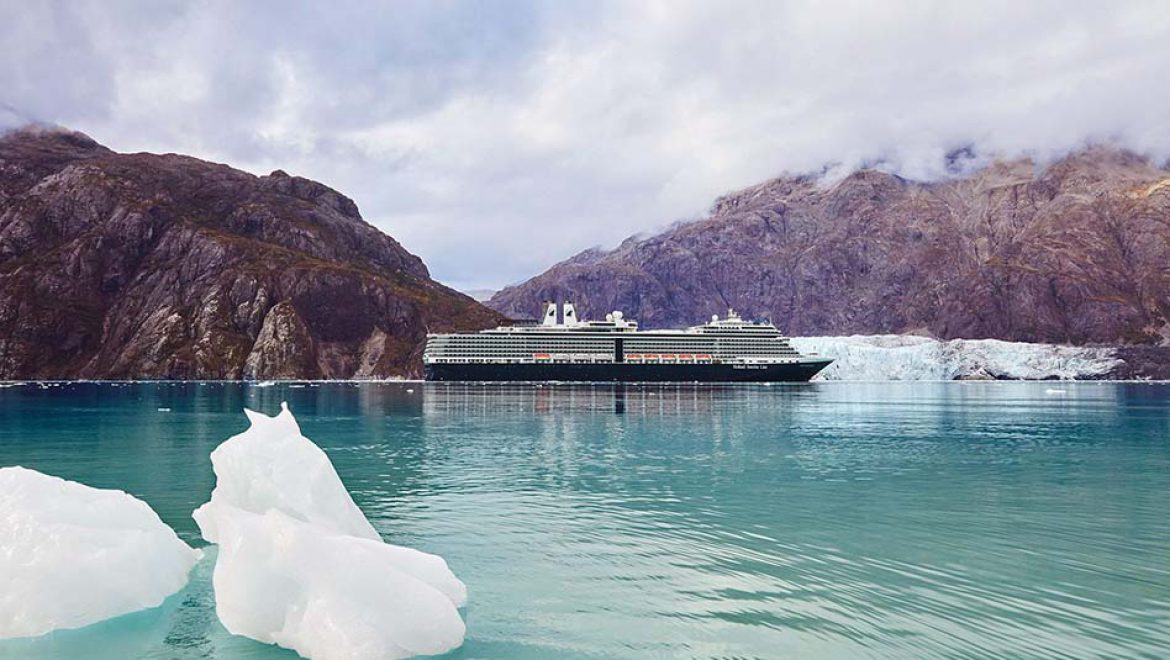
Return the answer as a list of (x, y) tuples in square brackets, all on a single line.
[(272, 466), (300, 566), (281, 581), (72, 555)]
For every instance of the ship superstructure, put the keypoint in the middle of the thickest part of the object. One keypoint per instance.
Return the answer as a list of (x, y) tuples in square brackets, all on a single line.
[(569, 349)]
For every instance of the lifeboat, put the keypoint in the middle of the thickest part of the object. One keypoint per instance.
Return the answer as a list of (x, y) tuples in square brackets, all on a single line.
[(540, 356)]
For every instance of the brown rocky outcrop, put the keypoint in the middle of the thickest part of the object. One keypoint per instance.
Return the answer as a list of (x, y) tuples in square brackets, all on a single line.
[(165, 266), (1076, 251)]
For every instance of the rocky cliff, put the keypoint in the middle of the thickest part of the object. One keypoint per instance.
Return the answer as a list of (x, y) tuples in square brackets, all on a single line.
[(1076, 251), (164, 266)]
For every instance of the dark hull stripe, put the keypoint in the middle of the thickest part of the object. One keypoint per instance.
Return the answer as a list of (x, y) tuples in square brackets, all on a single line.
[(627, 373)]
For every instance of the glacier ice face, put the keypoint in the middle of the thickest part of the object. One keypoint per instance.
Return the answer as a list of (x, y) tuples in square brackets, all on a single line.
[(72, 555), (272, 466), (909, 357), (300, 566)]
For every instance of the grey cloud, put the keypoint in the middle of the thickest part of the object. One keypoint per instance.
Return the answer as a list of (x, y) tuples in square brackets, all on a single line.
[(494, 138)]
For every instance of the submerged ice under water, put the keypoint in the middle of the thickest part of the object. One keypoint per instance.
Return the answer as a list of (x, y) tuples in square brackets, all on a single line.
[(831, 520)]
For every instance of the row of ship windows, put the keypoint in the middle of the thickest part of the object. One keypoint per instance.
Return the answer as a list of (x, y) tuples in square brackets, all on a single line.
[(609, 349), (449, 341), (705, 336), (641, 346), (598, 345), (687, 338), (519, 354), (574, 360), (639, 337), (631, 346)]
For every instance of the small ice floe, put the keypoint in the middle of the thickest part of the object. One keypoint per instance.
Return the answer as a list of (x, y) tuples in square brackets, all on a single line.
[(72, 555), (300, 566)]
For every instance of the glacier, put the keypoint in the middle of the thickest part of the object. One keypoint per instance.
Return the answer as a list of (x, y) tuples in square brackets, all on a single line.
[(72, 555), (300, 566), (911, 357)]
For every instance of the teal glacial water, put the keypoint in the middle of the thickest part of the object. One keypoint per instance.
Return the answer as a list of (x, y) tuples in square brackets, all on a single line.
[(828, 520)]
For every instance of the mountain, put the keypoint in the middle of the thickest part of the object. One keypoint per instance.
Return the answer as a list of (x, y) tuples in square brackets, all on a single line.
[(1075, 251), (164, 266)]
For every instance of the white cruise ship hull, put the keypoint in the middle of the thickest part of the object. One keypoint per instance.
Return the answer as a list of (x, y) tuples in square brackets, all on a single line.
[(777, 372)]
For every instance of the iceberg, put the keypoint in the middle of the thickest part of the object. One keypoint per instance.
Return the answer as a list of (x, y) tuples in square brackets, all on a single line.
[(281, 581), (300, 566), (72, 555), (910, 357), (273, 466)]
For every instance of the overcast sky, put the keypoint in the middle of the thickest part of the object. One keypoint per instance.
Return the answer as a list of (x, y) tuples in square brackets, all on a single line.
[(496, 138)]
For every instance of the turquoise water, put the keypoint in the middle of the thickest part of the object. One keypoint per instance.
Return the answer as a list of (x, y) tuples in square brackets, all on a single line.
[(825, 520)]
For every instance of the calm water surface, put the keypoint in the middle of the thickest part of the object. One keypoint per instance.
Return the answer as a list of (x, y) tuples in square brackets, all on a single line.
[(824, 520)]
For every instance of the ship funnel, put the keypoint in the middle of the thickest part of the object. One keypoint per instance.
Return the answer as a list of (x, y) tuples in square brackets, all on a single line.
[(570, 313), (548, 313)]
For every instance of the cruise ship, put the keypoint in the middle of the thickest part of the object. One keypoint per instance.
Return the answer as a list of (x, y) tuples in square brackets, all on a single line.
[(727, 349)]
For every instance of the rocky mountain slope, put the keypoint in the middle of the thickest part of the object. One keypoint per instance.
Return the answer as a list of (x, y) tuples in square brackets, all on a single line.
[(1077, 251), (164, 266)]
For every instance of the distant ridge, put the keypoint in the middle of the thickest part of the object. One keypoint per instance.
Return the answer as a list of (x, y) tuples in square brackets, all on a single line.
[(1077, 251), (165, 266)]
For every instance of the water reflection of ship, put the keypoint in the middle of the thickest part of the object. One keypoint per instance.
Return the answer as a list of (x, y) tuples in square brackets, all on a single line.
[(618, 398)]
